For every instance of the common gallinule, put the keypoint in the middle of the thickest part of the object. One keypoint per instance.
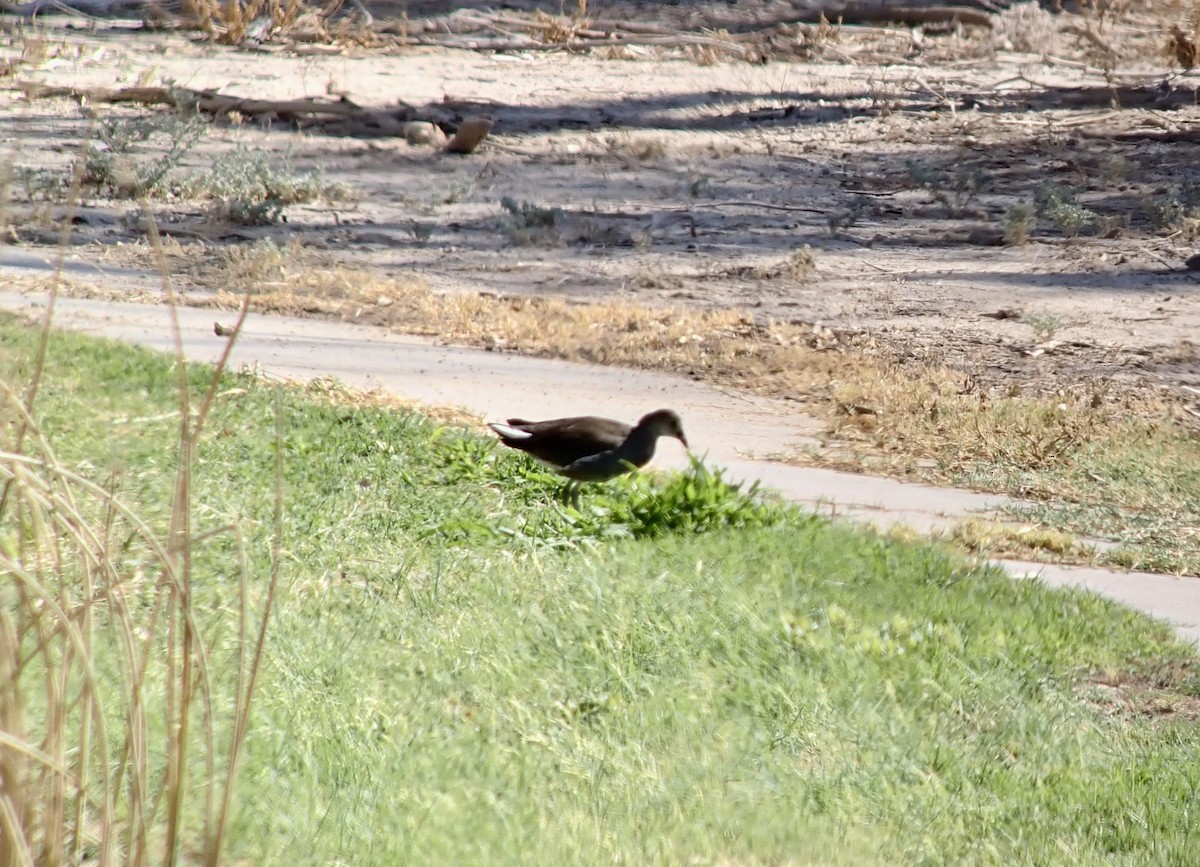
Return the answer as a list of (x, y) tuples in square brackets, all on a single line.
[(588, 448)]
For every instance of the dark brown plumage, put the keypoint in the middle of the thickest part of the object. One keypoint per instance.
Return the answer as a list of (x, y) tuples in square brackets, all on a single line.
[(589, 448)]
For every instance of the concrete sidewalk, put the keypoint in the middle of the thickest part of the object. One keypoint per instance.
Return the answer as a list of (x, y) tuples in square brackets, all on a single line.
[(731, 429)]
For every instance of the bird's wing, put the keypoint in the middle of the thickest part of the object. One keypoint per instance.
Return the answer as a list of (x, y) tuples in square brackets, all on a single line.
[(598, 467)]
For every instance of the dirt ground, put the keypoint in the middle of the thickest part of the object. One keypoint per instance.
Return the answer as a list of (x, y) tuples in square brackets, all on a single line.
[(863, 179)]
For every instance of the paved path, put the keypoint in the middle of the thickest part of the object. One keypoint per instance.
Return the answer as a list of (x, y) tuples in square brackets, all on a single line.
[(732, 429)]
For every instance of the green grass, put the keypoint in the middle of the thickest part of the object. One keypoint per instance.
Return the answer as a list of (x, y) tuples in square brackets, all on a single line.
[(461, 670)]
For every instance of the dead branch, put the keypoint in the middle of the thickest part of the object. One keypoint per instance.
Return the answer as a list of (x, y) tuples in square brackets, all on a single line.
[(342, 114), (333, 117), (482, 43), (910, 16), (206, 101)]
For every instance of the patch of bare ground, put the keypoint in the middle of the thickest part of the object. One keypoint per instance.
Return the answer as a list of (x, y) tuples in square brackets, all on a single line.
[(1169, 694)]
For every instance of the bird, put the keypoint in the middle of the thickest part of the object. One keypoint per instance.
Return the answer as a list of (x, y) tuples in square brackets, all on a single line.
[(589, 448)]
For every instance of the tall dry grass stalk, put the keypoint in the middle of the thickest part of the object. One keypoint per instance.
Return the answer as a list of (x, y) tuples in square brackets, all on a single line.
[(110, 706)]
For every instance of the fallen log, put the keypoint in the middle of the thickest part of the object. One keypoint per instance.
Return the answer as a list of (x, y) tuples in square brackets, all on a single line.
[(910, 16), (206, 101), (331, 116)]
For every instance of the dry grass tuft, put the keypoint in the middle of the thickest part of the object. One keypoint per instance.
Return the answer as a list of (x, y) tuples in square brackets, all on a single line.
[(641, 148), (997, 539), (231, 23), (799, 265)]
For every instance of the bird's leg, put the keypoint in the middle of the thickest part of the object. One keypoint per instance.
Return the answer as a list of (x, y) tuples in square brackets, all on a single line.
[(569, 494)]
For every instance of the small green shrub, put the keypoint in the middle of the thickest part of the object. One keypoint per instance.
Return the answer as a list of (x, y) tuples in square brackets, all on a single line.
[(954, 190), (527, 224), (698, 500), (112, 167), (1020, 221), (1057, 203), (1162, 211), (638, 505), (252, 188), (1044, 325)]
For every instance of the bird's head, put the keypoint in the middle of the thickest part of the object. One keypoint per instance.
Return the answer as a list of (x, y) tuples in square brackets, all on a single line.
[(664, 423)]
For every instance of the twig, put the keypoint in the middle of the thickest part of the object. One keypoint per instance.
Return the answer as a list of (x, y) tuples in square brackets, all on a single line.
[(1091, 36), (531, 44), (767, 205)]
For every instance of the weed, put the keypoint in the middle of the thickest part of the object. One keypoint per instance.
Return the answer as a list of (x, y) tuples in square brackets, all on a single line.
[(996, 539), (457, 191), (247, 187), (647, 149), (240, 211), (1071, 218), (528, 224), (45, 185), (699, 500), (1116, 168), (1183, 40), (112, 166), (1027, 27), (699, 185), (800, 265), (1162, 212), (1048, 194), (1057, 203), (233, 23), (252, 187), (1044, 325), (1020, 221), (260, 265), (953, 190), (29, 46), (1188, 193), (888, 93), (1187, 229), (1178, 213), (837, 221), (638, 148), (128, 677), (421, 232), (1111, 225)]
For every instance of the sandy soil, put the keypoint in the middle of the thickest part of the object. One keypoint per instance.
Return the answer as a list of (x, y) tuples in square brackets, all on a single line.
[(892, 156)]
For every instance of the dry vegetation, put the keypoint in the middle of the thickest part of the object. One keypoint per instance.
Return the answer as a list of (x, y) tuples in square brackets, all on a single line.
[(874, 404), (110, 666), (233, 23)]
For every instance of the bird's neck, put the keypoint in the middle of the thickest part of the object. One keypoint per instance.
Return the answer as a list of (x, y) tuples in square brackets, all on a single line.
[(638, 447)]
